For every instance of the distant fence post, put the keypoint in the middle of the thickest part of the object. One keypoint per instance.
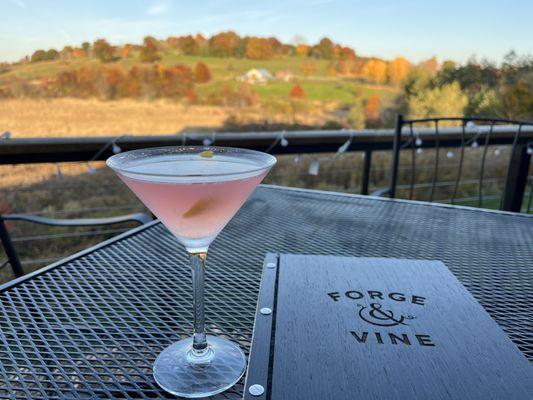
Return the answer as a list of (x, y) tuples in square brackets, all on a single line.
[(10, 250), (396, 155), (366, 172), (517, 179)]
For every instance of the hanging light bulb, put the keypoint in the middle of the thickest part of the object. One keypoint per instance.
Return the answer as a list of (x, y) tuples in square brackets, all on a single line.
[(59, 173), (116, 148), (418, 142), (470, 124), (313, 167), (474, 144), (344, 147), (497, 151), (449, 154), (529, 149), (206, 142), (282, 141)]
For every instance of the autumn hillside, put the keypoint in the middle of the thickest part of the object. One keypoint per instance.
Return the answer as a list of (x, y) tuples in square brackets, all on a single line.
[(279, 82), (215, 71)]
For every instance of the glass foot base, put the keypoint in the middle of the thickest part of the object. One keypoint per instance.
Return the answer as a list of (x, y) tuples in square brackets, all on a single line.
[(178, 372)]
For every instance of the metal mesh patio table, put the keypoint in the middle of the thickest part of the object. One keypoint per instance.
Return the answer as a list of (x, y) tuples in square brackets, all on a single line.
[(90, 326)]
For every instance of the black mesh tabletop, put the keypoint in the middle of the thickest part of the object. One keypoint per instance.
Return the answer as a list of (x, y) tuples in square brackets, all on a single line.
[(91, 325)]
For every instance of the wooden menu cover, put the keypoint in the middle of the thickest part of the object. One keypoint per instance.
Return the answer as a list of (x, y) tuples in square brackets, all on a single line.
[(367, 328)]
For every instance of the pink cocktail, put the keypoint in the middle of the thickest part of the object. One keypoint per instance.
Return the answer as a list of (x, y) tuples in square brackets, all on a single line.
[(195, 191), (195, 212)]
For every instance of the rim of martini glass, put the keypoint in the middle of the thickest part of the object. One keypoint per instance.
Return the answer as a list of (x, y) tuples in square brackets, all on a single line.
[(123, 162)]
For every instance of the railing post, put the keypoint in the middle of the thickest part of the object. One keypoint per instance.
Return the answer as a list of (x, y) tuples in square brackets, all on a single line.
[(517, 179), (366, 172), (10, 250), (396, 155)]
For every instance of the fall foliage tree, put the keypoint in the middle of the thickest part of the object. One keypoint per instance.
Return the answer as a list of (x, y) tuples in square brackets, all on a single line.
[(187, 45), (371, 112), (345, 53), (297, 92), (38, 55), (149, 52), (375, 70), (448, 99), (430, 65), (201, 73), (224, 44), (325, 48), (200, 40), (397, 70), (86, 46), (126, 50), (103, 51), (66, 53), (44, 55), (79, 53), (258, 49), (302, 50)]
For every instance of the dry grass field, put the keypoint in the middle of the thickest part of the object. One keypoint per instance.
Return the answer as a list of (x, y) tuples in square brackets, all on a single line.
[(92, 117), (76, 117)]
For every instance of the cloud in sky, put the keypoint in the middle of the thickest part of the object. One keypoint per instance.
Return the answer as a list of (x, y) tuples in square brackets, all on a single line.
[(157, 8), (19, 3)]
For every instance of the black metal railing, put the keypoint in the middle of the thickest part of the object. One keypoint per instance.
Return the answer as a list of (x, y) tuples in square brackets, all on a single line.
[(89, 149), (517, 173), (404, 142)]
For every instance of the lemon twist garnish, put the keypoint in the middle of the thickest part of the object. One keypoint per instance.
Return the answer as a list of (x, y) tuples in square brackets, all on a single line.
[(207, 154), (198, 208)]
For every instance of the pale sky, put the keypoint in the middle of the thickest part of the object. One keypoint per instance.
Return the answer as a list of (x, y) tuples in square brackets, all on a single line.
[(417, 29)]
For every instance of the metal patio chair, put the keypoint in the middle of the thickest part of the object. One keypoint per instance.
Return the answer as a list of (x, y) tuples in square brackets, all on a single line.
[(12, 257)]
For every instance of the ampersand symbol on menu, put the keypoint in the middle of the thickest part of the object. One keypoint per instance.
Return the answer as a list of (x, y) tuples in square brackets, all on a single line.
[(376, 315)]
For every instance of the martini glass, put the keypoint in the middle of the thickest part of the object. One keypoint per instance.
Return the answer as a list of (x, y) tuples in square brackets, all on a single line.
[(195, 191)]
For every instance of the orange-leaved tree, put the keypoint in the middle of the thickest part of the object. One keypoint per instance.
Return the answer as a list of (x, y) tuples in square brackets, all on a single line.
[(103, 51), (149, 52), (430, 65), (398, 69), (224, 44), (375, 70), (297, 92), (259, 48), (201, 73), (371, 112)]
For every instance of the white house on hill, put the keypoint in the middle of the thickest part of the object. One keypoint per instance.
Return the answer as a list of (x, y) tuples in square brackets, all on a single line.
[(256, 75)]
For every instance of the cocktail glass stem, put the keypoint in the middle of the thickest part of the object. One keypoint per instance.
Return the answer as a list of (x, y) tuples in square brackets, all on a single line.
[(200, 346)]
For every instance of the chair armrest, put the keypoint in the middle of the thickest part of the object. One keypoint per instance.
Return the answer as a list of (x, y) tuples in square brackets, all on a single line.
[(141, 218)]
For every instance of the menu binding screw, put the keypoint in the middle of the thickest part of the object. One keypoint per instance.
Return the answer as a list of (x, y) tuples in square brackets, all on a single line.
[(256, 390)]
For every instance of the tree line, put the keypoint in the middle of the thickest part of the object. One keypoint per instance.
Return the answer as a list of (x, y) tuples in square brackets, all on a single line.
[(475, 89), (224, 44), (343, 59), (115, 81)]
